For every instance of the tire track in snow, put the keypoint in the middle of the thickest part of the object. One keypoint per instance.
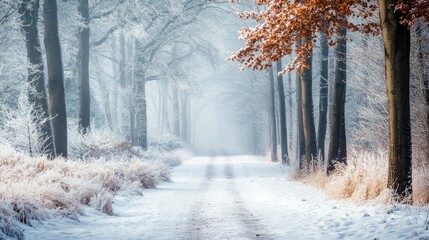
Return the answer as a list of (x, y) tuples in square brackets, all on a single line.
[(255, 229), (197, 220)]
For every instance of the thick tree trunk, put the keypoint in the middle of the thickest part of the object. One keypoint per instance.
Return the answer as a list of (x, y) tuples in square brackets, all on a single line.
[(37, 96), (283, 120), (273, 118), (423, 78), (55, 77), (323, 102), (307, 112), (396, 39), (83, 69), (139, 101), (338, 142)]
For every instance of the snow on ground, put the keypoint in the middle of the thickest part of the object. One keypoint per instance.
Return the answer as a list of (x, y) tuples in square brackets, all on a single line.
[(237, 197)]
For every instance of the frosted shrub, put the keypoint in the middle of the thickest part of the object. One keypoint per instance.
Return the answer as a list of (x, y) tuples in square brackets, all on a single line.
[(18, 127), (167, 143), (95, 143)]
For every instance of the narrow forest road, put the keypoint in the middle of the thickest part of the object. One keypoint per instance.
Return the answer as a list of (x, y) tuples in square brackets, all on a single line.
[(237, 197)]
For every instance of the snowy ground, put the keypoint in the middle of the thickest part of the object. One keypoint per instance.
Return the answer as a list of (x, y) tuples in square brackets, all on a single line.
[(239, 197)]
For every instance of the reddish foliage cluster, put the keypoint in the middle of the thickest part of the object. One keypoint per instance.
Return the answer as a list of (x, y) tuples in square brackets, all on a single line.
[(413, 10), (283, 23)]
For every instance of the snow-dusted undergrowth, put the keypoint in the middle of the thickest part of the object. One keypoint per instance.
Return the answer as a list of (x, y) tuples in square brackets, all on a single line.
[(365, 179), (100, 164)]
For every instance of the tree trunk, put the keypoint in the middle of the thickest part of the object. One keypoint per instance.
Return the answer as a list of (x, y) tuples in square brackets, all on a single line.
[(176, 113), (37, 96), (113, 86), (338, 142), (55, 77), (165, 108), (140, 121), (283, 120), (189, 118), (307, 112), (122, 105), (323, 102), (423, 79), (290, 108), (300, 132), (83, 69), (184, 115), (273, 118), (396, 39)]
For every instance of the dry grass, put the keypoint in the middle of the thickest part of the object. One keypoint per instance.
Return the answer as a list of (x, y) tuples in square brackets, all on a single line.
[(364, 180), (421, 185), (39, 188)]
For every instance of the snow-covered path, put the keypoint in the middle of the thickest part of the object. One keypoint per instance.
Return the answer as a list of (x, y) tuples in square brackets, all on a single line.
[(239, 197)]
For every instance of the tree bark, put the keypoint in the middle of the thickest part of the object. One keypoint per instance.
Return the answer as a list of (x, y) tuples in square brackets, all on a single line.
[(140, 121), (113, 85), (338, 142), (189, 118), (423, 79), (122, 105), (323, 102), (396, 39), (273, 118), (83, 69), (184, 115), (300, 137), (290, 109), (176, 113), (283, 119), (37, 96), (55, 77), (307, 112)]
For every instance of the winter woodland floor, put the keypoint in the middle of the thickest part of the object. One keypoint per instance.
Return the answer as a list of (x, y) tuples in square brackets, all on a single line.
[(237, 197)]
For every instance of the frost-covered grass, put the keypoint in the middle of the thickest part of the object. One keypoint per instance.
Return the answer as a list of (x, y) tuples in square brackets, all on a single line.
[(100, 165), (365, 179)]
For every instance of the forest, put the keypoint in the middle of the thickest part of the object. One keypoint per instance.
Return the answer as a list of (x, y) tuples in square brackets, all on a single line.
[(117, 114)]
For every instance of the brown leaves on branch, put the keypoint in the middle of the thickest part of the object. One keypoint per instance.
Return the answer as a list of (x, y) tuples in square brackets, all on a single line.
[(284, 23), (413, 10)]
